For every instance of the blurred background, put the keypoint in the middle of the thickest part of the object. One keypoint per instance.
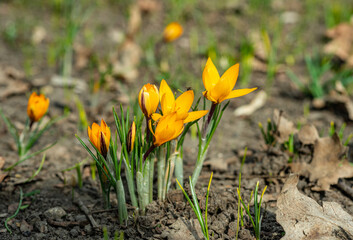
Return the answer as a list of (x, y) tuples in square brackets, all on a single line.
[(89, 55)]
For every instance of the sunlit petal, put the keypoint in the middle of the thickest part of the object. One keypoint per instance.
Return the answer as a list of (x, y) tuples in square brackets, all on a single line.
[(210, 75), (184, 102), (240, 92), (167, 98), (195, 115), (230, 77), (156, 116)]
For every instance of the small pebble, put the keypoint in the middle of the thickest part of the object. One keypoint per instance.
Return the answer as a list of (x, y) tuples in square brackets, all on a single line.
[(80, 218), (55, 213), (88, 229), (41, 226)]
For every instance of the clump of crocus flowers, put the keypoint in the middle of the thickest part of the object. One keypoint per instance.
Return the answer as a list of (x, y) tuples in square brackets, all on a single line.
[(37, 107), (155, 135)]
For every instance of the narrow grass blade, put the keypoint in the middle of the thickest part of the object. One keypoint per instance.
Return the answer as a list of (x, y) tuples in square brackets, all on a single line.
[(15, 214)]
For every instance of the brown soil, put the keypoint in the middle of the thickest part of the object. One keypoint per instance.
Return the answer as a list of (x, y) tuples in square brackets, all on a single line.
[(163, 220)]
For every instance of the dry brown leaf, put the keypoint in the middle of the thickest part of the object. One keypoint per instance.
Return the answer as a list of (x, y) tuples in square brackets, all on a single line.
[(326, 167), (125, 64), (303, 218), (308, 134), (340, 104), (11, 82), (149, 5), (217, 164), (258, 101), (341, 43), (134, 21), (2, 174), (284, 127)]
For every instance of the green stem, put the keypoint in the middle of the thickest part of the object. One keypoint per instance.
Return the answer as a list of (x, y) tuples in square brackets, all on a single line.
[(169, 173), (142, 180), (179, 174), (131, 186), (209, 118), (199, 162), (139, 184), (161, 171), (151, 173), (79, 175), (120, 193)]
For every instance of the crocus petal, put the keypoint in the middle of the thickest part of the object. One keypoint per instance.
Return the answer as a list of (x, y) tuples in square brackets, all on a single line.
[(230, 77), (156, 116), (195, 115), (167, 98), (240, 92), (184, 102), (220, 91), (210, 75)]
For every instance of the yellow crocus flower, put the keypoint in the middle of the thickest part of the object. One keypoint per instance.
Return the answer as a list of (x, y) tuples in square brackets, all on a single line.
[(100, 137), (219, 88), (148, 99), (180, 106), (172, 32), (37, 106), (167, 129)]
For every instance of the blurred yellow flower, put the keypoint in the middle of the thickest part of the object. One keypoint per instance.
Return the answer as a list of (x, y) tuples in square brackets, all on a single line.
[(148, 99), (37, 106), (167, 129), (131, 137), (172, 32), (180, 106), (219, 88), (100, 137)]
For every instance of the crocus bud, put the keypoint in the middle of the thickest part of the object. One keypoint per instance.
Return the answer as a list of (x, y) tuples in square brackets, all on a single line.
[(148, 99), (172, 32), (131, 137), (100, 137), (37, 106)]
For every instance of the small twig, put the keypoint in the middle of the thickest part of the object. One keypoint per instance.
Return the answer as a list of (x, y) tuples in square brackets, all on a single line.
[(85, 210), (66, 224), (348, 190), (112, 209)]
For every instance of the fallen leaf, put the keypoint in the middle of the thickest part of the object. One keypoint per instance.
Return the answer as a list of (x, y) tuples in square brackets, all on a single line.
[(341, 43), (258, 102), (2, 174), (126, 62), (326, 167), (149, 5), (217, 164), (11, 82), (134, 21), (284, 127), (308, 134), (341, 105), (303, 218)]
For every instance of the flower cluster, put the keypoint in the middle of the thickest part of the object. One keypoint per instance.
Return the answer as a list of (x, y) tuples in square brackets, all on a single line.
[(174, 112), (168, 119)]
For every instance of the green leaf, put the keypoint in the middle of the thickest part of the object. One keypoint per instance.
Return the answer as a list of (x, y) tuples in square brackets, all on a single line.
[(12, 129), (29, 156), (32, 140)]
